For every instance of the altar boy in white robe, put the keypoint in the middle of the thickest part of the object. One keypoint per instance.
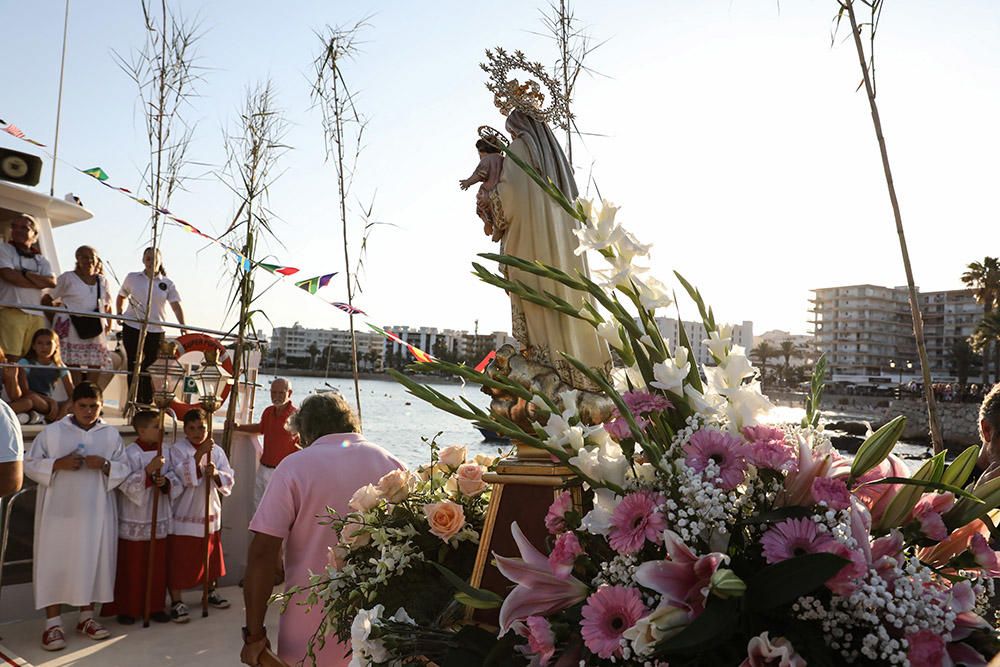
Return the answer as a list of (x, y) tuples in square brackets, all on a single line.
[(189, 472), (78, 462)]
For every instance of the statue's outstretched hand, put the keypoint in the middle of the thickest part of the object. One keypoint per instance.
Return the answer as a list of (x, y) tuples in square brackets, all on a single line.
[(464, 184)]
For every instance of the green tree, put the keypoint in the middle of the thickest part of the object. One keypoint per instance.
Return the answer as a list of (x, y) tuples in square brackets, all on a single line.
[(788, 350), (313, 353), (984, 279), (987, 334), (962, 358), (761, 354)]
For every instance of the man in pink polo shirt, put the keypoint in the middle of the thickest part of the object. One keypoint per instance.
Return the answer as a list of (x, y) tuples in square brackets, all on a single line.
[(335, 461)]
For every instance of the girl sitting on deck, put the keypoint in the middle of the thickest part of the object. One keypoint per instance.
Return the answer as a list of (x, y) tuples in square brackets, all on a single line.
[(37, 384), (10, 393)]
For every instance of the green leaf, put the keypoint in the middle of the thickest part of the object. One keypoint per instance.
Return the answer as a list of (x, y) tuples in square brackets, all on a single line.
[(780, 514), (475, 603), (877, 447), (715, 624), (468, 590), (787, 581), (958, 472), (937, 486), (965, 511), (901, 506)]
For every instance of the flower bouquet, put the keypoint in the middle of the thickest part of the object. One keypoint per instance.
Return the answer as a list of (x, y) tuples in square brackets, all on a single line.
[(710, 537), (390, 548)]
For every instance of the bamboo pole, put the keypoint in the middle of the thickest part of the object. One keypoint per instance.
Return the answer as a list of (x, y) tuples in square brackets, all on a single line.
[(151, 556), (208, 505), (918, 324)]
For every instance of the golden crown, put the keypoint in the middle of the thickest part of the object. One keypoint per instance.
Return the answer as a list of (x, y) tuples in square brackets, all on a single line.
[(510, 94), (493, 136)]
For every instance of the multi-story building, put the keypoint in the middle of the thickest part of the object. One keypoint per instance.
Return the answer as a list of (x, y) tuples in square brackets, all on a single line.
[(448, 344), (297, 344), (805, 351), (866, 331), (742, 335)]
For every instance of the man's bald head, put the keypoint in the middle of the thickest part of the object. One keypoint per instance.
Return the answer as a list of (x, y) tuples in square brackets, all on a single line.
[(281, 391)]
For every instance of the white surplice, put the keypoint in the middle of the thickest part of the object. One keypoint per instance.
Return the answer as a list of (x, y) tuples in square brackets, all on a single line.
[(135, 504), (76, 517), (187, 489)]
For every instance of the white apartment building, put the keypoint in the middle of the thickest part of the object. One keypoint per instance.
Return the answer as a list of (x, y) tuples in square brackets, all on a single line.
[(294, 343), (866, 331), (804, 345), (449, 344), (742, 335)]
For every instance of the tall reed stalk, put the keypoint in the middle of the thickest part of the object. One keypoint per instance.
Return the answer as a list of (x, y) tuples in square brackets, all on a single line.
[(165, 73), (867, 68)]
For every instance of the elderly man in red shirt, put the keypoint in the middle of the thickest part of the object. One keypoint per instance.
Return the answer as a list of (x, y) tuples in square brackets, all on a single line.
[(278, 441)]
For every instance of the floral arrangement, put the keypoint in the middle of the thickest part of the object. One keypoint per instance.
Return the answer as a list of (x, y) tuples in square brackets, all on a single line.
[(709, 537), (389, 548)]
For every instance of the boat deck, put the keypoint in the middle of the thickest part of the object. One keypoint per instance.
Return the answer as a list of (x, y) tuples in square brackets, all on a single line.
[(215, 640)]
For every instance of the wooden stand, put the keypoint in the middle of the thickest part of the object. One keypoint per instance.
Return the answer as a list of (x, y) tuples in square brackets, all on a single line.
[(524, 486)]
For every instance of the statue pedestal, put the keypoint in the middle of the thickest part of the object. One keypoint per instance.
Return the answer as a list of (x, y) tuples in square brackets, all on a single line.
[(523, 488)]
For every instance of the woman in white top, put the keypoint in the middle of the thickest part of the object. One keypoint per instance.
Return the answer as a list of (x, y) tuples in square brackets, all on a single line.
[(135, 289), (83, 340)]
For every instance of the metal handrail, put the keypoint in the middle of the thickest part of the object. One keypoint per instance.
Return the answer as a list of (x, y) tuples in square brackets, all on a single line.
[(6, 509), (123, 319)]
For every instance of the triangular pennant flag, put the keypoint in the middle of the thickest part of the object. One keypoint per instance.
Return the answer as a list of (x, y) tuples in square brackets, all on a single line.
[(313, 285), (351, 310), (277, 268), (97, 173)]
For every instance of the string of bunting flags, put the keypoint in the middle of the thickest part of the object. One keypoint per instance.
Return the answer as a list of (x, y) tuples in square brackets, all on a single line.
[(310, 285)]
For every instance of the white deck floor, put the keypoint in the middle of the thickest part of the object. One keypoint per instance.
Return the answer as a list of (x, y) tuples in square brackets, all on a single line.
[(215, 640)]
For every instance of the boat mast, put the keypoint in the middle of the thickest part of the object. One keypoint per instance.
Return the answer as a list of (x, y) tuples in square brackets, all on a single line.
[(62, 71)]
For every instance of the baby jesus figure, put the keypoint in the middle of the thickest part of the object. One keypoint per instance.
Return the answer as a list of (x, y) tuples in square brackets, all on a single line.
[(488, 173)]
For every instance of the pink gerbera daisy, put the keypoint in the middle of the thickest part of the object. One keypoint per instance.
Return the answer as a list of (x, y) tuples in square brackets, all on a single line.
[(722, 448), (609, 612), (635, 520), (763, 433), (620, 430), (644, 402), (795, 537)]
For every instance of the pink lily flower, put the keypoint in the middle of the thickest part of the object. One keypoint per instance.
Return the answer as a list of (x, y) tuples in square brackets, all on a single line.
[(886, 553), (811, 464), (928, 511), (956, 543), (540, 591), (986, 558), (878, 496), (683, 579), (963, 654)]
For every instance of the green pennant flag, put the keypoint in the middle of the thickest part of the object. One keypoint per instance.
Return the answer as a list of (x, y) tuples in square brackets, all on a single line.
[(97, 173)]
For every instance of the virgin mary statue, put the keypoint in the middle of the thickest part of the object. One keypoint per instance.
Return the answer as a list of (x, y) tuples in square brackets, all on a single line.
[(539, 229)]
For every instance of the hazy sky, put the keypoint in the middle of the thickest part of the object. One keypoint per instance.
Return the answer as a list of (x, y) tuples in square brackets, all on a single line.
[(733, 138)]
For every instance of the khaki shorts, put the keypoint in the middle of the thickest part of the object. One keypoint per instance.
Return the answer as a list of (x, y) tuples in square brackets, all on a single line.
[(16, 329)]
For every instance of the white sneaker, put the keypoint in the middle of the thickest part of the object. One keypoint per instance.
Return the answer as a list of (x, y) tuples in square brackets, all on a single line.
[(36, 418), (24, 418)]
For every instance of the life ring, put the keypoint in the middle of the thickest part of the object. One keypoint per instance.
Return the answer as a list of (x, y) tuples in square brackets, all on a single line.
[(196, 342)]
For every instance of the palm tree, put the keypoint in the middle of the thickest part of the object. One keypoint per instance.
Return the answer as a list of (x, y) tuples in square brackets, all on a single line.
[(313, 353), (761, 354), (987, 333), (984, 279), (788, 350), (277, 356), (962, 358)]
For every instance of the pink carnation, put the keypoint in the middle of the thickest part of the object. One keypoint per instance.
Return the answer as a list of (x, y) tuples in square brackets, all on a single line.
[(620, 430), (643, 402), (763, 433), (724, 449), (772, 455), (555, 519), (926, 649), (635, 520), (541, 639), (609, 612), (831, 491), (564, 553)]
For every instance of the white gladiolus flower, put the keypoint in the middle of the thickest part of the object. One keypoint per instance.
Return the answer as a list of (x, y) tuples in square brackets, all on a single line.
[(621, 377), (704, 404), (653, 294), (602, 231), (598, 520), (609, 332), (746, 405), (670, 374), (622, 271), (606, 463), (718, 342)]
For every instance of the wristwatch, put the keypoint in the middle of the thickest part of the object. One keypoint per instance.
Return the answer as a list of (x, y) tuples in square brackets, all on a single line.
[(250, 639)]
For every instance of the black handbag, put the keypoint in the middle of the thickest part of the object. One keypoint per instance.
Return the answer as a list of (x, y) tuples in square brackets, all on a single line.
[(88, 326)]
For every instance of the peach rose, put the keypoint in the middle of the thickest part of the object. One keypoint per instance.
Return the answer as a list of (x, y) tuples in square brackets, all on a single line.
[(453, 456), (354, 535), (485, 460), (445, 518), (395, 486), (470, 479), (337, 556), (365, 498)]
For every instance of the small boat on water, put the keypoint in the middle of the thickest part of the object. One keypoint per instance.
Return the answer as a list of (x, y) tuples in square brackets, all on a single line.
[(492, 436)]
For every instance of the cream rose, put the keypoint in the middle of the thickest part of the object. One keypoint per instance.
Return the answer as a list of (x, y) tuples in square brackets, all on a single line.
[(485, 460), (395, 486), (470, 479), (453, 456), (445, 518), (365, 498), (354, 535)]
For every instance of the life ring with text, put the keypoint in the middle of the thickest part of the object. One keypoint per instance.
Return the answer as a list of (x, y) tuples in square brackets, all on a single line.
[(196, 342)]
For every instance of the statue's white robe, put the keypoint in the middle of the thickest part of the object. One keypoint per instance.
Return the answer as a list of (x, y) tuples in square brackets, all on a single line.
[(76, 517)]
